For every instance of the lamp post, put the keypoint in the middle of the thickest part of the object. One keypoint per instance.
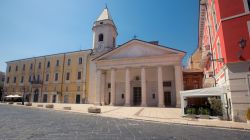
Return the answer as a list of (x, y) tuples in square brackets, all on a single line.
[(242, 43), (23, 89)]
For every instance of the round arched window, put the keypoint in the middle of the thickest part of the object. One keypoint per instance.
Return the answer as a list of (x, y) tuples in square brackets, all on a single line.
[(100, 38)]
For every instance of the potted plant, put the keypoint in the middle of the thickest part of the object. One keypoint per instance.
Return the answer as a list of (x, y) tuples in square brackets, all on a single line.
[(248, 115), (216, 108), (191, 112), (204, 113)]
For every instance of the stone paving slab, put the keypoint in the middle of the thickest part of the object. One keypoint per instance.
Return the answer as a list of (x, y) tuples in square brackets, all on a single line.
[(31, 123), (161, 115)]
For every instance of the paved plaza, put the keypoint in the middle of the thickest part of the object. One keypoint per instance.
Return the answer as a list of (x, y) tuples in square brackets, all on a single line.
[(41, 124)]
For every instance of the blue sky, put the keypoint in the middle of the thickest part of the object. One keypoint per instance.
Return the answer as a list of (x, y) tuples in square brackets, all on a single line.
[(30, 28)]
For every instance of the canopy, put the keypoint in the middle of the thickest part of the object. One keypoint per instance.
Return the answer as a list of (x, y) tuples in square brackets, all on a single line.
[(13, 96)]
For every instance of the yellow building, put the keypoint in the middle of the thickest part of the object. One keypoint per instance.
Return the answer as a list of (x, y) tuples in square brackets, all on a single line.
[(51, 78)]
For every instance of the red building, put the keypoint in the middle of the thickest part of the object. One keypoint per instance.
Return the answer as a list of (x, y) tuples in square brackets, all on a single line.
[(224, 29)]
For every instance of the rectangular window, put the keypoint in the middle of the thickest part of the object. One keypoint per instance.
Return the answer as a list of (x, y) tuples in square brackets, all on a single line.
[(8, 80), (54, 99), (14, 81), (69, 61), (16, 68), (66, 98), (9, 68), (137, 78), (47, 77), (30, 78), (79, 75), (31, 66), (153, 96), (80, 60), (45, 98), (56, 76), (167, 84), (67, 76), (248, 4), (122, 96), (214, 57), (38, 77), (248, 26), (39, 65), (48, 64), (219, 50), (109, 85), (22, 79), (23, 67), (57, 63), (214, 16)]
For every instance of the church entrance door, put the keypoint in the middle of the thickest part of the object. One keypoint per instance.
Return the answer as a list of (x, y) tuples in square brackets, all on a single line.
[(167, 98), (36, 96), (137, 96)]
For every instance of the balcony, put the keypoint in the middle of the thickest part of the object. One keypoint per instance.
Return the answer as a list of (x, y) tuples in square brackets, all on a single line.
[(36, 82)]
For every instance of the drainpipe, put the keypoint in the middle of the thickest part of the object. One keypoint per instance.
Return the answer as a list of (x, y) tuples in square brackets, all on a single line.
[(43, 77), (62, 76)]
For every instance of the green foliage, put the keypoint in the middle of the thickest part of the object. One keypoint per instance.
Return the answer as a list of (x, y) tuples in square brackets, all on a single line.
[(203, 111), (248, 114), (191, 111), (216, 106)]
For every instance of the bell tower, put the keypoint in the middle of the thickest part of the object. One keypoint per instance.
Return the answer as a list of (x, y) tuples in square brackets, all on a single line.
[(104, 33)]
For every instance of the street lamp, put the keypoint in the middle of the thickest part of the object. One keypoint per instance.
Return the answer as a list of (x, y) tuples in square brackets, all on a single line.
[(242, 43), (210, 55), (23, 89)]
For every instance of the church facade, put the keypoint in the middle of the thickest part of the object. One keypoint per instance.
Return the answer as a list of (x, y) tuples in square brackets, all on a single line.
[(136, 73)]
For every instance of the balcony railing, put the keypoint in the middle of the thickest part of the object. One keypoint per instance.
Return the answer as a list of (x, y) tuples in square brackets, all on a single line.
[(36, 82)]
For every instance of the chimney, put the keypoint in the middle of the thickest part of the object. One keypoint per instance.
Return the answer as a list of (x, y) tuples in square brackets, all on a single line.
[(154, 42)]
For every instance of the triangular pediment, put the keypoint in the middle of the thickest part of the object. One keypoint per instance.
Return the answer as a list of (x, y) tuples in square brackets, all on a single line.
[(138, 49)]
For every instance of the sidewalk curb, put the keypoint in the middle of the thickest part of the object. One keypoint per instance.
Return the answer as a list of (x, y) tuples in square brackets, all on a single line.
[(188, 124)]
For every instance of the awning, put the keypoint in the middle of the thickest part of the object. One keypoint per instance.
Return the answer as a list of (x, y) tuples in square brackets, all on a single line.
[(213, 91), (205, 92), (13, 96)]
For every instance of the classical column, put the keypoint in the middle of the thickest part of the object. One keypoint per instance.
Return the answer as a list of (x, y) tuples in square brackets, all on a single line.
[(127, 88), (178, 84), (98, 87), (143, 87), (103, 89), (160, 87), (112, 87)]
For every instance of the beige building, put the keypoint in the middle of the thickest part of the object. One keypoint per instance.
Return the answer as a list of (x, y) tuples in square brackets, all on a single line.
[(137, 73), (51, 78), (2, 79)]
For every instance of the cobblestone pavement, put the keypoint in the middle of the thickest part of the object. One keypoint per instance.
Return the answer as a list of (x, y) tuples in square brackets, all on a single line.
[(38, 124)]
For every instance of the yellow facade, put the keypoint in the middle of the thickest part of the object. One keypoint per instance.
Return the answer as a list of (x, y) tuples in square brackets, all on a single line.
[(52, 78)]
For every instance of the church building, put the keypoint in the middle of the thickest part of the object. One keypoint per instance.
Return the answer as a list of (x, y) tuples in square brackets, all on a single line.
[(136, 73)]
